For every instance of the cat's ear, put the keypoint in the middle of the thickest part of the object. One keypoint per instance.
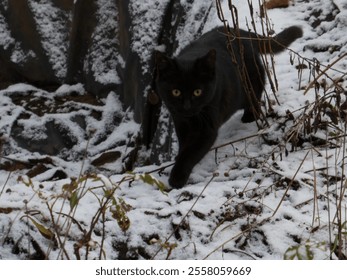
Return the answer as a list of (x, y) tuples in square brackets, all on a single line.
[(162, 62), (207, 63), (210, 58)]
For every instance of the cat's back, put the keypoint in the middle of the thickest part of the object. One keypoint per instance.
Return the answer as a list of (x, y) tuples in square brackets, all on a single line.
[(213, 39)]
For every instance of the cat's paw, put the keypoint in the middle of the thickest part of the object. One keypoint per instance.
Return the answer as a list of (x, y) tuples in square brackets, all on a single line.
[(178, 178), (248, 117)]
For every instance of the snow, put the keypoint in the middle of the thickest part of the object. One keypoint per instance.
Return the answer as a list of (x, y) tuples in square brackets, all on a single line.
[(67, 89), (102, 56), (5, 35), (52, 31), (249, 199), (198, 11), (144, 32)]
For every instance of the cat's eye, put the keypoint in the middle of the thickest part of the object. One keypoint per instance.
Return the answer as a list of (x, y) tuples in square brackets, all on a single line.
[(197, 92), (176, 92)]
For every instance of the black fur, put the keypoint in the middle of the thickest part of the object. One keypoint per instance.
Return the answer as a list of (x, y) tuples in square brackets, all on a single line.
[(205, 84)]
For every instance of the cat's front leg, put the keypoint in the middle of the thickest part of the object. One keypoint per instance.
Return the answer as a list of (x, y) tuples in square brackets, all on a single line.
[(179, 175), (190, 153)]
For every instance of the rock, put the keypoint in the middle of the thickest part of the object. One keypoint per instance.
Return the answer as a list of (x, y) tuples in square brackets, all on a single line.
[(106, 157), (105, 45), (51, 139), (273, 4)]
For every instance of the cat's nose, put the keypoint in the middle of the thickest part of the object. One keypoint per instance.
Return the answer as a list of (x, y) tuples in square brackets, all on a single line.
[(187, 105)]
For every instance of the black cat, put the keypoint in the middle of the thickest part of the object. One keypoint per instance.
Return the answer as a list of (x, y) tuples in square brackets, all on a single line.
[(208, 82)]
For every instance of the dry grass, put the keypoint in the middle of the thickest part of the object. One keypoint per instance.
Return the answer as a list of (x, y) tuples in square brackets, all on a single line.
[(321, 124)]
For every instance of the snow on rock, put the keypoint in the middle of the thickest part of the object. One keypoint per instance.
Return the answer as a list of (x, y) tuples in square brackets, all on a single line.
[(103, 58), (5, 35), (53, 24), (146, 32)]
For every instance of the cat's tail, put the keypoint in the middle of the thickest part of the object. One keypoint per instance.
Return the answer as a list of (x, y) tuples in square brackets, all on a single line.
[(281, 41)]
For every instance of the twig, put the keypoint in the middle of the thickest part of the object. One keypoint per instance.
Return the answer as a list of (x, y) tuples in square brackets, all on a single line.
[(323, 73), (241, 252), (5, 184), (289, 185), (259, 133), (237, 235), (160, 169)]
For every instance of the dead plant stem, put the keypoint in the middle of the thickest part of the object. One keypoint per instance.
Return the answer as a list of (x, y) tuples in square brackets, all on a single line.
[(289, 185), (324, 72)]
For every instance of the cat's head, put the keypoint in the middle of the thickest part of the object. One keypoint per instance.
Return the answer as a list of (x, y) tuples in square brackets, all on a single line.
[(186, 86)]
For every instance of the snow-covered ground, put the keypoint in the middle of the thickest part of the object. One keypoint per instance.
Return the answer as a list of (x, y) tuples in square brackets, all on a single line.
[(262, 193)]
